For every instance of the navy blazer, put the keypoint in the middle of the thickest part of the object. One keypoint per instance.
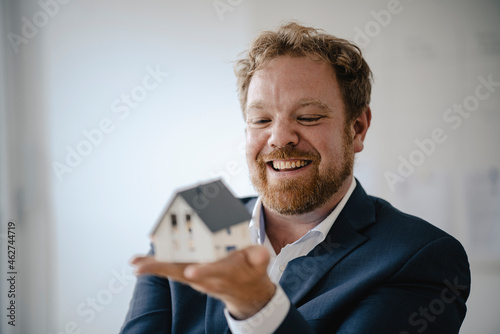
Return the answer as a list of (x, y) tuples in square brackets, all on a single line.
[(378, 271)]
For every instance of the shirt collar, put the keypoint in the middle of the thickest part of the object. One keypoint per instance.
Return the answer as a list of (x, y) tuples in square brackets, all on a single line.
[(257, 223)]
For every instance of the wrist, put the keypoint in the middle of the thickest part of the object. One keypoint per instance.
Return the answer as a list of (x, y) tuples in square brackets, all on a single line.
[(241, 310)]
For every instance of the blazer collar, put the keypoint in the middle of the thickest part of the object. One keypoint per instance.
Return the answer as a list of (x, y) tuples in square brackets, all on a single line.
[(302, 273)]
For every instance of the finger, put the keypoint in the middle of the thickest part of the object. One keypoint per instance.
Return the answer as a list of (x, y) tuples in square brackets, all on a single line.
[(149, 265), (136, 260), (199, 272), (253, 258), (258, 256)]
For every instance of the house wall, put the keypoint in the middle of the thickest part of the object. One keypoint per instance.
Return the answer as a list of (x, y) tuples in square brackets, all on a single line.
[(178, 244), (203, 242), (239, 238), (161, 241)]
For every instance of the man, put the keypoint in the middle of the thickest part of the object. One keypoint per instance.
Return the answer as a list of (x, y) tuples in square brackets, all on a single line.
[(330, 258)]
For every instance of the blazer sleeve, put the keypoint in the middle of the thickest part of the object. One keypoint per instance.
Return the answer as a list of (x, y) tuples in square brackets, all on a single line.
[(150, 309), (427, 295)]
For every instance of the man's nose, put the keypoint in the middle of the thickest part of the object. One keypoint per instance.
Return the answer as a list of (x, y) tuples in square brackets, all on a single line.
[(283, 133)]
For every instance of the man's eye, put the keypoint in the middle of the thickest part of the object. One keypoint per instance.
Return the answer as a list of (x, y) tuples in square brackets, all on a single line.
[(311, 119), (259, 122)]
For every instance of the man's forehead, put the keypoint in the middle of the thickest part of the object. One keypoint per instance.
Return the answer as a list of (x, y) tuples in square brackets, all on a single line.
[(293, 83), (300, 74)]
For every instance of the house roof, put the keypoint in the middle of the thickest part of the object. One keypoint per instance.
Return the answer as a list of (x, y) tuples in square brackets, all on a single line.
[(214, 203)]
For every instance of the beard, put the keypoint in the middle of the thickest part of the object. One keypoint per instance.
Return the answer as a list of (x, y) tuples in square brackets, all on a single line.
[(303, 194)]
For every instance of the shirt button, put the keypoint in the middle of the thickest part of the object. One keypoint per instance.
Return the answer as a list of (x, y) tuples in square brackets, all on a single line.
[(282, 268)]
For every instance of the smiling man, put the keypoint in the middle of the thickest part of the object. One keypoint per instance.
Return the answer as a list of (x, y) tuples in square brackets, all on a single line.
[(328, 258), (299, 145)]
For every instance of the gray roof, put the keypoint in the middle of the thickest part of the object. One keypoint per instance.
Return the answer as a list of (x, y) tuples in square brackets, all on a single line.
[(214, 203)]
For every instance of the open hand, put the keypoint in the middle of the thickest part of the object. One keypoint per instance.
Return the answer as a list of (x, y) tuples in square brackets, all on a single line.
[(240, 280)]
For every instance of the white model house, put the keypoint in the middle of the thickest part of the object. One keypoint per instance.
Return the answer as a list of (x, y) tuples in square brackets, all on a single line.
[(201, 224)]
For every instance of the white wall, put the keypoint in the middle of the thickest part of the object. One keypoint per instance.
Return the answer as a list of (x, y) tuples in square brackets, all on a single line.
[(25, 193), (189, 128)]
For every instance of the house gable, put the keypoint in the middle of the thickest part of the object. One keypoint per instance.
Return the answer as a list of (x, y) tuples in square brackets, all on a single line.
[(201, 224)]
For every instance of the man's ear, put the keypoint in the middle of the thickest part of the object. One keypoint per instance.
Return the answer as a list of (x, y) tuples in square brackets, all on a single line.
[(359, 129)]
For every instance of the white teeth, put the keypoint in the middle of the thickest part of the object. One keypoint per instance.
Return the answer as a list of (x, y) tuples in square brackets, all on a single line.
[(288, 165)]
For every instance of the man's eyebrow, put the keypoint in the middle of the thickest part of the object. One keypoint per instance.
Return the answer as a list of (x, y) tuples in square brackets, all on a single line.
[(315, 103), (256, 105), (300, 104)]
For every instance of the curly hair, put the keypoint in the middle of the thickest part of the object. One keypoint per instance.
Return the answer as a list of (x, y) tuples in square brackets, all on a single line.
[(351, 70)]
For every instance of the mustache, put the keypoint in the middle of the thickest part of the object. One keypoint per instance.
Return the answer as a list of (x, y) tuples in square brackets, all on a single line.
[(287, 152)]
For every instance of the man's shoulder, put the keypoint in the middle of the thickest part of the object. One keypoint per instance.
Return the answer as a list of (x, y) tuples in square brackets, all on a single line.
[(370, 213), (400, 238), (393, 223)]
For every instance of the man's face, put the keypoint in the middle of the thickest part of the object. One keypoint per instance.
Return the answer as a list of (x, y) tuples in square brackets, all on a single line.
[(299, 150)]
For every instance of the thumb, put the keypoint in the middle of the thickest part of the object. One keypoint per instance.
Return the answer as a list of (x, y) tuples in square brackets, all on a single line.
[(257, 256)]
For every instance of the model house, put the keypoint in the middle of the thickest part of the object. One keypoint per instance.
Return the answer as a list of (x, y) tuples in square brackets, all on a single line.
[(201, 224)]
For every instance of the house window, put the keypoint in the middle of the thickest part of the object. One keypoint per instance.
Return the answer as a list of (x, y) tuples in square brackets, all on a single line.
[(188, 223), (190, 231), (230, 248), (173, 219), (228, 230)]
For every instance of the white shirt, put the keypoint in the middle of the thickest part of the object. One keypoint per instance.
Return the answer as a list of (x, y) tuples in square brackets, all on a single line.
[(272, 315)]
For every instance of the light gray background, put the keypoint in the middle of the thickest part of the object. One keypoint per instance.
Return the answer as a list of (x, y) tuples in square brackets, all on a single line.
[(74, 236)]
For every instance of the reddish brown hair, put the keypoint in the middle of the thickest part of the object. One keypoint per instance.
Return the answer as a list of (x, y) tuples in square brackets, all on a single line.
[(351, 70)]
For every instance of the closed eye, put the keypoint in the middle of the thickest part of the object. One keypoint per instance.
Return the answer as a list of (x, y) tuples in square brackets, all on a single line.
[(258, 122), (309, 120)]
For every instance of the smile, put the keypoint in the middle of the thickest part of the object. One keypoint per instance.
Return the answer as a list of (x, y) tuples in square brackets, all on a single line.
[(289, 164)]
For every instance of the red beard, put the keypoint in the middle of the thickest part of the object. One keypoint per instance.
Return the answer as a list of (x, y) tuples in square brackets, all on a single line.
[(302, 194)]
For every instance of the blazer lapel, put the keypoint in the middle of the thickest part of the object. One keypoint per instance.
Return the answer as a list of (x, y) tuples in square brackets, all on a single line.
[(303, 273)]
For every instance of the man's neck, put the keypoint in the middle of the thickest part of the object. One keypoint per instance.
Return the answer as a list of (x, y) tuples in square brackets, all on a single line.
[(286, 229)]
